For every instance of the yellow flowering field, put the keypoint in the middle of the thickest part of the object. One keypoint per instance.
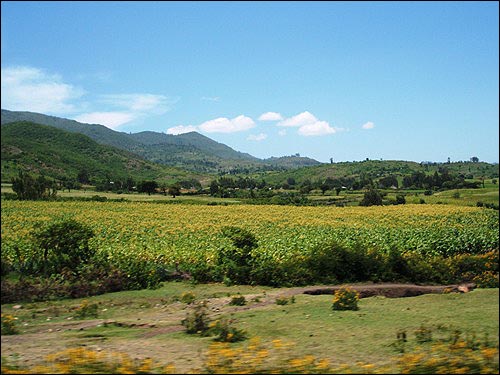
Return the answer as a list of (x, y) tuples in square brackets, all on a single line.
[(191, 233)]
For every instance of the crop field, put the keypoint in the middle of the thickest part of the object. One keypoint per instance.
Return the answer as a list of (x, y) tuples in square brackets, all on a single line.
[(190, 234)]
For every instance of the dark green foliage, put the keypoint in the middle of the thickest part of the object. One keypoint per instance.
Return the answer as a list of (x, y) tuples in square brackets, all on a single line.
[(400, 199), (28, 187), (224, 331), (147, 187), (238, 300), (333, 262), (197, 320), (241, 239), (93, 279), (235, 262), (191, 151), (174, 190), (64, 243), (371, 198), (76, 157)]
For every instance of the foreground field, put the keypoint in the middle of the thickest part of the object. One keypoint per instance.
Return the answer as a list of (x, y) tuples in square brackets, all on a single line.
[(146, 324)]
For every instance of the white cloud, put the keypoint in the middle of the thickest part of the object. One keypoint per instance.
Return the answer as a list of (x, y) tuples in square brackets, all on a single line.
[(316, 128), (308, 125), (156, 104), (180, 129), (110, 119), (257, 137), (304, 118), (125, 108), (368, 125), (270, 116), (225, 125), (26, 88)]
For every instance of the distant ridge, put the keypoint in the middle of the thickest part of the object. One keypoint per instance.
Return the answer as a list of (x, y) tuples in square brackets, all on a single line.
[(42, 149), (192, 151)]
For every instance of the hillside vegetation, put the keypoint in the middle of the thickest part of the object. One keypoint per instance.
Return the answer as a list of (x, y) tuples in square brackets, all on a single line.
[(191, 151), (59, 154)]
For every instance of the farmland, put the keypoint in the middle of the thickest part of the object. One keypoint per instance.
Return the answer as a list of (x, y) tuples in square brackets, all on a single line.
[(189, 234)]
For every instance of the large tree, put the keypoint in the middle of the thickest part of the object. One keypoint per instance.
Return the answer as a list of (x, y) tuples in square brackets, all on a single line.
[(29, 188), (148, 187)]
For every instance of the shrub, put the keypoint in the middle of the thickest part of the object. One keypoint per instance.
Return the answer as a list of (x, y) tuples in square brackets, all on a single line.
[(371, 198), (345, 299), (65, 244), (225, 332), (235, 262), (238, 300), (188, 297), (9, 325), (400, 199), (333, 262), (468, 267), (197, 320), (487, 279), (454, 358), (81, 360), (285, 300), (86, 310)]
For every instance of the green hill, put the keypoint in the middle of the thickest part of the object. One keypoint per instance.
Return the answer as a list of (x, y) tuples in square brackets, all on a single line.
[(191, 151), (58, 154), (376, 169)]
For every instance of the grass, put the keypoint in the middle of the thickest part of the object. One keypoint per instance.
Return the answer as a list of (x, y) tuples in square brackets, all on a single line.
[(466, 197), (146, 323)]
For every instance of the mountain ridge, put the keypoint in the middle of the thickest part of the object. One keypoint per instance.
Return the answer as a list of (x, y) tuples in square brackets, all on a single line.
[(192, 150)]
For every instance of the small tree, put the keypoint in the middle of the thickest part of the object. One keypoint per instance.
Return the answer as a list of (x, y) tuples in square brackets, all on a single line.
[(64, 243), (371, 198), (148, 187), (235, 262), (400, 199), (174, 190)]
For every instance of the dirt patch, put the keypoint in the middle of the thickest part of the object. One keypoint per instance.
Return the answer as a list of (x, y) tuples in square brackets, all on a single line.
[(394, 290)]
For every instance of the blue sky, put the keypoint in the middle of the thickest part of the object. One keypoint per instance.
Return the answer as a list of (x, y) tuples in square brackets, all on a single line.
[(343, 80)]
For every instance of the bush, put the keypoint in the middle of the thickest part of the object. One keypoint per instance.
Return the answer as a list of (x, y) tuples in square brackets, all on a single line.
[(285, 300), (333, 262), (455, 358), (238, 300), (345, 299), (197, 320), (225, 332), (188, 297), (235, 262), (65, 244), (487, 279), (80, 360), (400, 199), (86, 310), (9, 325), (92, 279), (371, 198)]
